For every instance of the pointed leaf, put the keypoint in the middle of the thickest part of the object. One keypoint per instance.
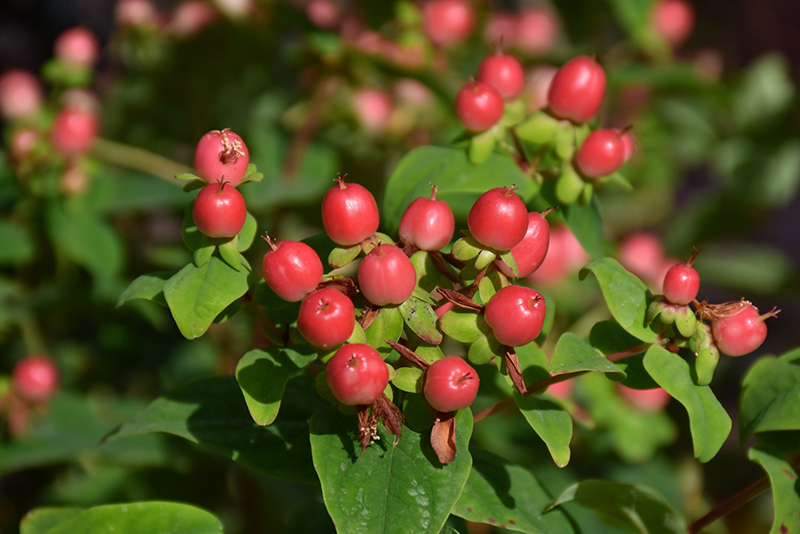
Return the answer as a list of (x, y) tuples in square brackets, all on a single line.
[(633, 508), (341, 256), (421, 319), (229, 252), (708, 420), (626, 296), (574, 354), (463, 325), (147, 287), (551, 422), (508, 496), (484, 350), (387, 325), (771, 395), (263, 374), (391, 488), (42, 520), (248, 233), (408, 379), (783, 478)]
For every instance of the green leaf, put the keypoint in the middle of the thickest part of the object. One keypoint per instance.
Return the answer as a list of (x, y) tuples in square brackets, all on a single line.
[(421, 319), (508, 496), (147, 287), (632, 508), (750, 268), (551, 422), (484, 349), (586, 223), (248, 233), (201, 255), (133, 518), (574, 354), (626, 296), (229, 252), (785, 496), (196, 295), (42, 520), (634, 17), (387, 325), (771, 396), (408, 379), (212, 413), (708, 420), (460, 182), (765, 91), (263, 374), (463, 325), (391, 488), (482, 145), (16, 245), (341, 256), (466, 248)]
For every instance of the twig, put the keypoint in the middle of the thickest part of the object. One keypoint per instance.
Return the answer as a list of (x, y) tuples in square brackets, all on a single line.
[(139, 159)]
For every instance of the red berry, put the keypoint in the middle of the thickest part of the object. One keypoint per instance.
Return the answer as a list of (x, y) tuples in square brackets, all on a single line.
[(374, 108), (325, 14), (628, 142), (357, 375), (504, 73), (78, 46), (673, 20), (600, 154), (427, 223), (135, 13), (20, 94), (221, 155), (498, 219), (537, 31), (74, 131), (190, 17), (35, 378), (643, 255), (291, 269), (742, 333), (501, 29), (646, 400), (447, 22), (682, 283), (531, 251), (577, 89), (326, 318), (561, 390), (537, 84), (386, 276), (349, 213), (479, 106), (564, 254), (450, 384), (516, 315), (219, 210)]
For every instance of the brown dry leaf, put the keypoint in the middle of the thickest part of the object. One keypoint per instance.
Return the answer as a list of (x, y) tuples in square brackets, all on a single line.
[(443, 437)]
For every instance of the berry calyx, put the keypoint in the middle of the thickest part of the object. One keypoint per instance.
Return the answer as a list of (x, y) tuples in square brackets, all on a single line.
[(682, 283), (291, 269), (326, 318), (516, 315), (504, 73), (498, 219), (349, 213), (479, 106), (531, 251), (577, 89), (427, 223), (221, 154), (386, 276), (357, 375), (35, 378), (740, 329), (450, 384), (219, 210), (600, 154), (447, 22)]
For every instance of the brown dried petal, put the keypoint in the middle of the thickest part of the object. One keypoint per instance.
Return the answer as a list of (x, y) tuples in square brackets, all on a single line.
[(462, 301), (443, 437)]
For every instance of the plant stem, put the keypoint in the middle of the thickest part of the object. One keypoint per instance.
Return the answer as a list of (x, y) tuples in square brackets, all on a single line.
[(729, 505), (138, 159), (32, 336)]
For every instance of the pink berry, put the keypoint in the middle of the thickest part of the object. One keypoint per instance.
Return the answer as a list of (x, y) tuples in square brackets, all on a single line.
[(537, 31), (74, 181), (561, 390), (326, 318), (600, 154), (628, 142), (642, 254), (673, 20), (373, 107), (682, 283), (450, 384), (427, 223), (577, 89), (291, 269), (349, 213), (35, 378), (479, 106), (357, 375), (564, 254), (20, 94), (537, 84), (386, 276), (219, 210), (501, 29), (741, 333), (646, 400), (504, 73), (447, 22), (516, 315), (190, 17), (498, 219), (221, 155), (531, 251), (77, 46), (74, 131), (325, 14), (135, 13), (23, 142)]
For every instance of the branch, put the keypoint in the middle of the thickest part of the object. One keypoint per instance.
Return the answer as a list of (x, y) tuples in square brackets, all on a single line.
[(138, 159)]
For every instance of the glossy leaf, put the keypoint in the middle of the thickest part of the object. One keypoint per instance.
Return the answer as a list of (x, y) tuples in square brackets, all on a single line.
[(626, 296), (391, 488), (341, 256), (632, 508), (463, 325), (147, 287), (771, 396), (421, 319), (387, 325), (263, 374), (785, 496), (708, 420), (408, 379), (42, 520), (212, 413), (574, 354), (508, 496), (551, 422), (196, 295), (248, 233), (484, 349)]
